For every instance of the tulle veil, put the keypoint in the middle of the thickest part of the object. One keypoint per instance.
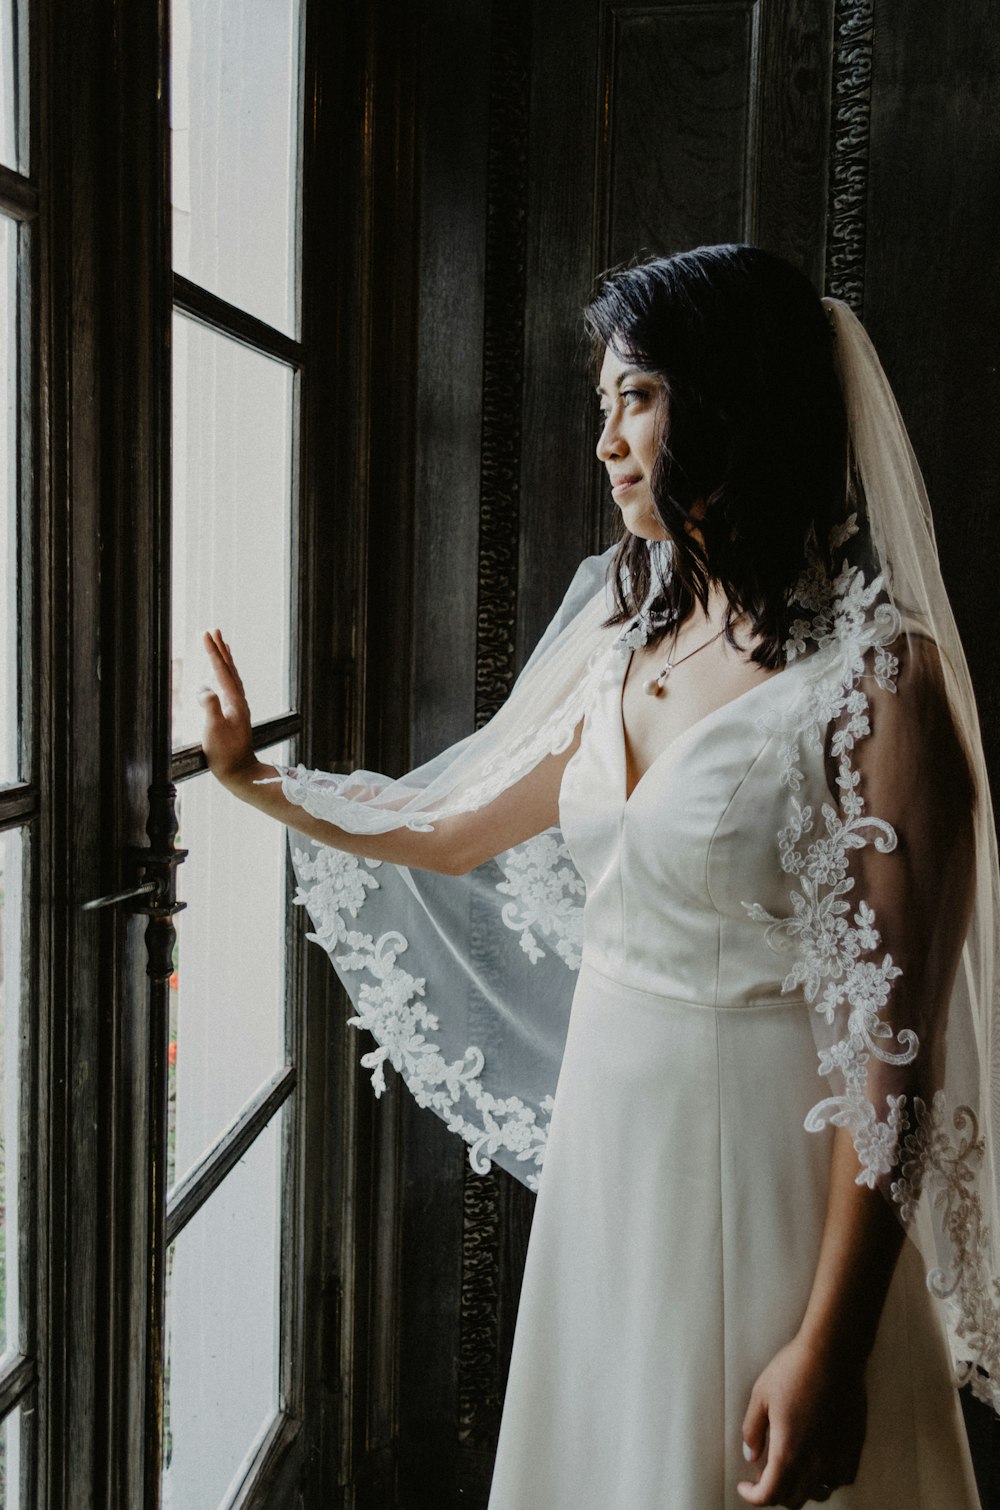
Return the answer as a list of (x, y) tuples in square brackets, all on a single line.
[(890, 930)]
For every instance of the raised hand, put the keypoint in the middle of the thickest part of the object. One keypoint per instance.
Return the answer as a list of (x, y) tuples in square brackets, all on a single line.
[(227, 738)]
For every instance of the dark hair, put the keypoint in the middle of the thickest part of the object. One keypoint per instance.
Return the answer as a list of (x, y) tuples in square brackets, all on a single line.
[(755, 432)]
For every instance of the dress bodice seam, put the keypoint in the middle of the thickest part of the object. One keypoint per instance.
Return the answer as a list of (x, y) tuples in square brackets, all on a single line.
[(768, 739)]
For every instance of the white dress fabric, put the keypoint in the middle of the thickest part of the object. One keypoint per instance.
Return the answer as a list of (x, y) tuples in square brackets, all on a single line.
[(681, 1204)]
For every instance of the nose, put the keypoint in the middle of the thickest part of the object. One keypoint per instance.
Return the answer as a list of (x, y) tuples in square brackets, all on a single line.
[(611, 445)]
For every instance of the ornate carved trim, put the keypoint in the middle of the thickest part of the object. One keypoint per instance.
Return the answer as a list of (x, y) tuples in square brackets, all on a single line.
[(479, 1366), (850, 121), (499, 510), (503, 355)]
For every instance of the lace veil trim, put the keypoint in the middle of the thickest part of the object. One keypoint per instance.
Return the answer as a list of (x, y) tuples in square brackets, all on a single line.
[(890, 929)]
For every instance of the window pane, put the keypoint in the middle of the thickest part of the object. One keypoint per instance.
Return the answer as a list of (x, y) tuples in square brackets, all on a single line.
[(8, 500), (234, 147), (10, 1461), (11, 923), (228, 990), (232, 501), (13, 57), (222, 1332)]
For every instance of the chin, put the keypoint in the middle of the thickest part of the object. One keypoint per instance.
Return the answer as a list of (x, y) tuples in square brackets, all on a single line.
[(645, 525)]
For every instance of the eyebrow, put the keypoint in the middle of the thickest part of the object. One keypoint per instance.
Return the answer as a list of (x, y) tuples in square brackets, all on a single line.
[(627, 372)]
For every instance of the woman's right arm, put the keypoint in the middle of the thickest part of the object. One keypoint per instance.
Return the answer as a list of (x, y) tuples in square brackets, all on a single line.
[(453, 846)]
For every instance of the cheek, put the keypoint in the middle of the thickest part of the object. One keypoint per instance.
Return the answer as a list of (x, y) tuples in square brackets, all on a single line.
[(650, 444)]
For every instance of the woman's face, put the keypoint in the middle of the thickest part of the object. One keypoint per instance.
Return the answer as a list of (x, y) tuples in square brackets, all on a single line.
[(633, 407)]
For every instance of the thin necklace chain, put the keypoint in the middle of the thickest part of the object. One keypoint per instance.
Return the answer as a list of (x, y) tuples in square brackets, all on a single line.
[(655, 684)]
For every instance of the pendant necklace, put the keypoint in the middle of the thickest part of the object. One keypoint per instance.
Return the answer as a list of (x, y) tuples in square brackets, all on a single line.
[(656, 684)]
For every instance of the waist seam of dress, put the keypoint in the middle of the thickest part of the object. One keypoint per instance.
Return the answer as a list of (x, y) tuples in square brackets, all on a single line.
[(767, 1003)]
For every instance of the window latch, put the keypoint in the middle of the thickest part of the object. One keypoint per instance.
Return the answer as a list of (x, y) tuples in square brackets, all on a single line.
[(142, 889), (155, 895)]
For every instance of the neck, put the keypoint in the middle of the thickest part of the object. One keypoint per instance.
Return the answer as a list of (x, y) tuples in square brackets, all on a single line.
[(712, 616)]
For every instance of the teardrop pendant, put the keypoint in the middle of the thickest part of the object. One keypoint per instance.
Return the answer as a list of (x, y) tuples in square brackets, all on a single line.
[(655, 684)]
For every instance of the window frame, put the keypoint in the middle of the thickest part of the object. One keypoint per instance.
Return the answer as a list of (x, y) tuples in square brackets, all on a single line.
[(95, 517), (25, 801)]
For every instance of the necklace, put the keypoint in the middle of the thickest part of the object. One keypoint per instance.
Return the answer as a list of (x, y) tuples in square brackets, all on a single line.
[(656, 684)]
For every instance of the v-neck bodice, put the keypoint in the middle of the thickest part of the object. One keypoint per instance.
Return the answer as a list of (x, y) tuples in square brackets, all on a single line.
[(690, 731), (669, 868)]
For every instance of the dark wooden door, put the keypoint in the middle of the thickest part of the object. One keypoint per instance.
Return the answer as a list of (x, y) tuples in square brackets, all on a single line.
[(510, 153)]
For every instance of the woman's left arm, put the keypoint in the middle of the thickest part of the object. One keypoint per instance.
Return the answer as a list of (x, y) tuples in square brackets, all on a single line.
[(805, 1423), (807, 1408)]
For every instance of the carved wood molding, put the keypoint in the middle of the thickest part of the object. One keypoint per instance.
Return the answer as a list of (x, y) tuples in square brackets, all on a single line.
[(850, 122), (503, 355), (478, 1387), (499, 518)]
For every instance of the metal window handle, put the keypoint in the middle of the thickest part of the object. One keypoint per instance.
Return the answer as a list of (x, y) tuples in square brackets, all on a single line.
[(158, 862), (121, 896)]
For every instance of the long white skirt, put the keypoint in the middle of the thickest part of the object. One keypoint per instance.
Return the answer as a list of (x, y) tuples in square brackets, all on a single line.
[(672, 1252)]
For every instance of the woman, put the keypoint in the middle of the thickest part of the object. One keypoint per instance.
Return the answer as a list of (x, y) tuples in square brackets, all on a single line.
[(751, 739)]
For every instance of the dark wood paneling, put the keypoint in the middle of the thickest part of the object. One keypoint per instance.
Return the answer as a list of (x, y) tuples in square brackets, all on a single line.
[(932, 293), (492, 1204), (793, 102), (680, 80), (453, 113), (932, 305), (453, 135), (557, 525)]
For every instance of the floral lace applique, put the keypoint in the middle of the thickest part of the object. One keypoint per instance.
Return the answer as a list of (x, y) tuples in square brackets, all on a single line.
[(834, 946), (392, 1006), (826, 936), (946, 1162), (547, 890)]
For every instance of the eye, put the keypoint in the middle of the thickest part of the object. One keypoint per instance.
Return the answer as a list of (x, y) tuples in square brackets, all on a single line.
[(628, 395)]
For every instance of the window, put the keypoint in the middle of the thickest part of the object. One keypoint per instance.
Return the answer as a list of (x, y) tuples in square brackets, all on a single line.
[(21, 800), (160, 1242)]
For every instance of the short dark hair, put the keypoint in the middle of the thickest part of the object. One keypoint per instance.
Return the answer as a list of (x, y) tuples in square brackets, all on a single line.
[(756, 436)]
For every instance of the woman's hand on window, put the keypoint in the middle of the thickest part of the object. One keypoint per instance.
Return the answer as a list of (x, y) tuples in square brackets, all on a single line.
[(227, 738)]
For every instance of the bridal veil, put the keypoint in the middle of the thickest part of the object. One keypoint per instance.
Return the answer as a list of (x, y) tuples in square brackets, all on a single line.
[(890, 928)]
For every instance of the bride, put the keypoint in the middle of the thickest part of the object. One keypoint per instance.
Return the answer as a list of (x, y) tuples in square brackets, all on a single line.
[(724, 865)]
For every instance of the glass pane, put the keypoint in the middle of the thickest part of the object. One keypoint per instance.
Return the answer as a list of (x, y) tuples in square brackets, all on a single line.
[(227, 1033), (13, 60), (234, 106), (10, 1461), (222, 1332), (11, 922), (8, 500), (232, 511)]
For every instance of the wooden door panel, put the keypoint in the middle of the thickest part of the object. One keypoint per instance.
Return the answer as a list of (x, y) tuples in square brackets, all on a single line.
[(679, 82)]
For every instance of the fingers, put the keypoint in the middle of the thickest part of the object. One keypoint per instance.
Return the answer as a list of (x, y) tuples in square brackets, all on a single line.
[(222, 659), (776, 1485), (782, 1483), (755, 1429), (219, 650)]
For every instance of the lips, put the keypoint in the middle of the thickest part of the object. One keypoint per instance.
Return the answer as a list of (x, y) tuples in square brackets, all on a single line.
[(623, 483)]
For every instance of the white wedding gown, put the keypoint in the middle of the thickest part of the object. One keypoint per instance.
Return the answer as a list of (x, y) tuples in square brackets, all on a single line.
[(681, 1203)]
